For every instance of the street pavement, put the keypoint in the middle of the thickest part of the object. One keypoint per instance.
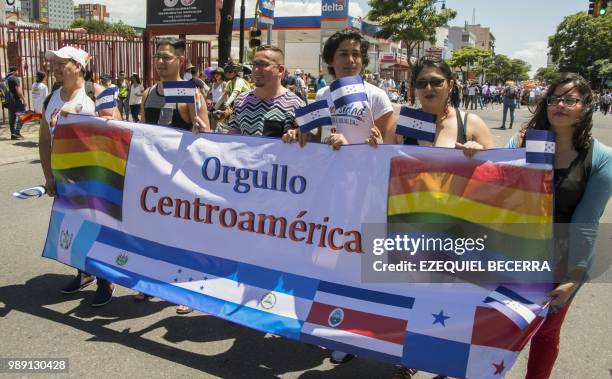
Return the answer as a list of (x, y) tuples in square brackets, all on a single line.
[(126, 339)]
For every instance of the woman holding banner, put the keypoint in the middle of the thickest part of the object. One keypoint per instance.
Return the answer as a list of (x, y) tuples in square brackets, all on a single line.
[(583, 186), (434, 84)]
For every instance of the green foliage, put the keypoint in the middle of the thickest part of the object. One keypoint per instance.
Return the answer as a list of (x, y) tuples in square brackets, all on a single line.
[(579, 41), (467, 56), (96, 26), (547, 74), (409, 21)]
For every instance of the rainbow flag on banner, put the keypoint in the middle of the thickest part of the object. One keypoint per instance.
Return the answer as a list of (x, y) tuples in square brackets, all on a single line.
[(89, 166)]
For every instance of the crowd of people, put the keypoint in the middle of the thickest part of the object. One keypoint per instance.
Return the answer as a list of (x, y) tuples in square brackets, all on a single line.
[(263, 103)]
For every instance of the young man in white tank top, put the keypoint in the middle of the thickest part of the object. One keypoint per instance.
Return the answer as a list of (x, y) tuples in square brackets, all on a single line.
[(69, 67)]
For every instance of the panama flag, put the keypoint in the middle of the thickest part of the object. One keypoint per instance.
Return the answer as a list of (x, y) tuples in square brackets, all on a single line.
[(348, 90), (356, 320), (514, 306), (416, 124), (182, 91), (313, 116), (540, 147), (106, 99)]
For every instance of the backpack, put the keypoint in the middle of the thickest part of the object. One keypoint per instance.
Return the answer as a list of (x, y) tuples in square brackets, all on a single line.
[(6, 97)]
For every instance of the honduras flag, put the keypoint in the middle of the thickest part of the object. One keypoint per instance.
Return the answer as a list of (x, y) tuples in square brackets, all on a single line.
[(518, 309), (107, 98), (416, 124), (348, 90), (182, 91), (313, 116), (540, 147)]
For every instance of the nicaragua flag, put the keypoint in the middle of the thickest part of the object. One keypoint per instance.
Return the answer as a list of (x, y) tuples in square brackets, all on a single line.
[(107, 98), (540, 146), (416, 124), (517, 308), (348, 90), (313, 116), (182, 91), (366, 322)]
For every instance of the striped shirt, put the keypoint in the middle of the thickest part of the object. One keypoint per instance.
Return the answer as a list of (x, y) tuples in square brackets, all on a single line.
[(272, 117)]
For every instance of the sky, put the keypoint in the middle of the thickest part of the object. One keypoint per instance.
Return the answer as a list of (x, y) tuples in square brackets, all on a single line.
[(521, 27)]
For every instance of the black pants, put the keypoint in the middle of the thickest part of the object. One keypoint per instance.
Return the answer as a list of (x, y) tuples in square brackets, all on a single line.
[(135, 111)]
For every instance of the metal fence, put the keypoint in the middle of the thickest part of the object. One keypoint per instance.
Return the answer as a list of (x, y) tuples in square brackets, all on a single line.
[(25, 47)]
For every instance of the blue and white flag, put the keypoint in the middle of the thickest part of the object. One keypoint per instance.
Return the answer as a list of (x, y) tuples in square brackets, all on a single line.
[(518, 309), (416, 124), (31, 192), (540, 146), (182, 91), (348, 90), (107, 98), (313, 115)]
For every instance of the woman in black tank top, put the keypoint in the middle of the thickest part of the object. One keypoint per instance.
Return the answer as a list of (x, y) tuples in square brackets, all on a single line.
[(433, 81)]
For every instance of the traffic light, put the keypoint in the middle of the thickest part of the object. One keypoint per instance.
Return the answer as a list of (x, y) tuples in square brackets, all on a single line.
[(591, 7), (603, 7), (254, 37)]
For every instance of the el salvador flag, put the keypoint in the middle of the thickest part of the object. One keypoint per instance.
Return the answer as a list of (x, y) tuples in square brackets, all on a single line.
[(313, 115), (182, 91), (348, 90), (106, 99), (540, 146), (518, 309), (416, 124)]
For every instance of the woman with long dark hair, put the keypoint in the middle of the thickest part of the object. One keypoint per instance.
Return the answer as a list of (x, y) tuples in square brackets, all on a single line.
[(433, 81), (583, 185)]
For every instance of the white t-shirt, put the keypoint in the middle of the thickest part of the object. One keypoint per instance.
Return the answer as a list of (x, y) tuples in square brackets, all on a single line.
[(39, 94), (354, 121), (80, 102), (136, 89)]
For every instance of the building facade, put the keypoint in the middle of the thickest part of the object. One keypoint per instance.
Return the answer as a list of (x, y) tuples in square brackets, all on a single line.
[(459, 37), (61, 13), (484, 39), (91, 12)]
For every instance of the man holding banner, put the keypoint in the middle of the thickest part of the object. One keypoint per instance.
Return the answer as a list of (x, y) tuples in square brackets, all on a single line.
[(268, 109), (156, 109), (69, 68)]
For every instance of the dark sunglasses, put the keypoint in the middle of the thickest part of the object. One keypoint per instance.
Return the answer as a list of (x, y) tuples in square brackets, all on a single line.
[(434, 82)]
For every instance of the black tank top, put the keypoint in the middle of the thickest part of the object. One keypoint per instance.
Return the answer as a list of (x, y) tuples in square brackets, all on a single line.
[(570, 184), (158, 112), (461, 130)]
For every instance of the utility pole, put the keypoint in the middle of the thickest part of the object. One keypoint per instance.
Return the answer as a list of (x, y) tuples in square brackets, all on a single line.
[(241, 54)]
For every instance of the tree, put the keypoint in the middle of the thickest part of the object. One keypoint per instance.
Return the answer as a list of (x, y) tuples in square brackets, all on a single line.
[(579, 41), (547, 74), (409, 21), (225, 31), (519, 70), (467, 56), (122, 29), (97, 26)]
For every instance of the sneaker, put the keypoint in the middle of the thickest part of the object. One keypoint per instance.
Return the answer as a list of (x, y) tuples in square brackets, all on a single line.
[(339, 357), (16, 136), (404, 373), (78, 283), (104, 295)]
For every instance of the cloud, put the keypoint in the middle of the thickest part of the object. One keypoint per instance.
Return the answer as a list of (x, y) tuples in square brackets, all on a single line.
[(131, 12), (533, 53)]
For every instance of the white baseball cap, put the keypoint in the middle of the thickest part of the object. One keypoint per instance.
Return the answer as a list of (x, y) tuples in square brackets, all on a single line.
[(298, 72), (69, 52)]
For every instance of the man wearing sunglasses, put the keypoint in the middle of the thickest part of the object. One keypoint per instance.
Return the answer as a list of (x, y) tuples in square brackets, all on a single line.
[(269, 109)]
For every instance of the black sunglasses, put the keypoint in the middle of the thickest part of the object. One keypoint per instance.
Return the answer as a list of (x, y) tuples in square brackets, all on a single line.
[(434, 82)]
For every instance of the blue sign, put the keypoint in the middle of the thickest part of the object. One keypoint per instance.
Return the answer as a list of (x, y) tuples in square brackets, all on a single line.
[(266, 10), (334, 9)]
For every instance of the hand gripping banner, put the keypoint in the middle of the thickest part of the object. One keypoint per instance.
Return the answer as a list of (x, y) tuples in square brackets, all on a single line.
[(271, 236)]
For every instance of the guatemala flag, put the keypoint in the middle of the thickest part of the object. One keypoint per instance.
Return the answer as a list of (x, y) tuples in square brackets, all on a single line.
[(348, 90), (182, 91), (540, 146), (313, 116), (106, 99), (416, 124)]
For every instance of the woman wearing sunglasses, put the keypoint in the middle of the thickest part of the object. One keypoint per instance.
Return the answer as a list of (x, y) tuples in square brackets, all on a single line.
[(583, 185), (434, 84)]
